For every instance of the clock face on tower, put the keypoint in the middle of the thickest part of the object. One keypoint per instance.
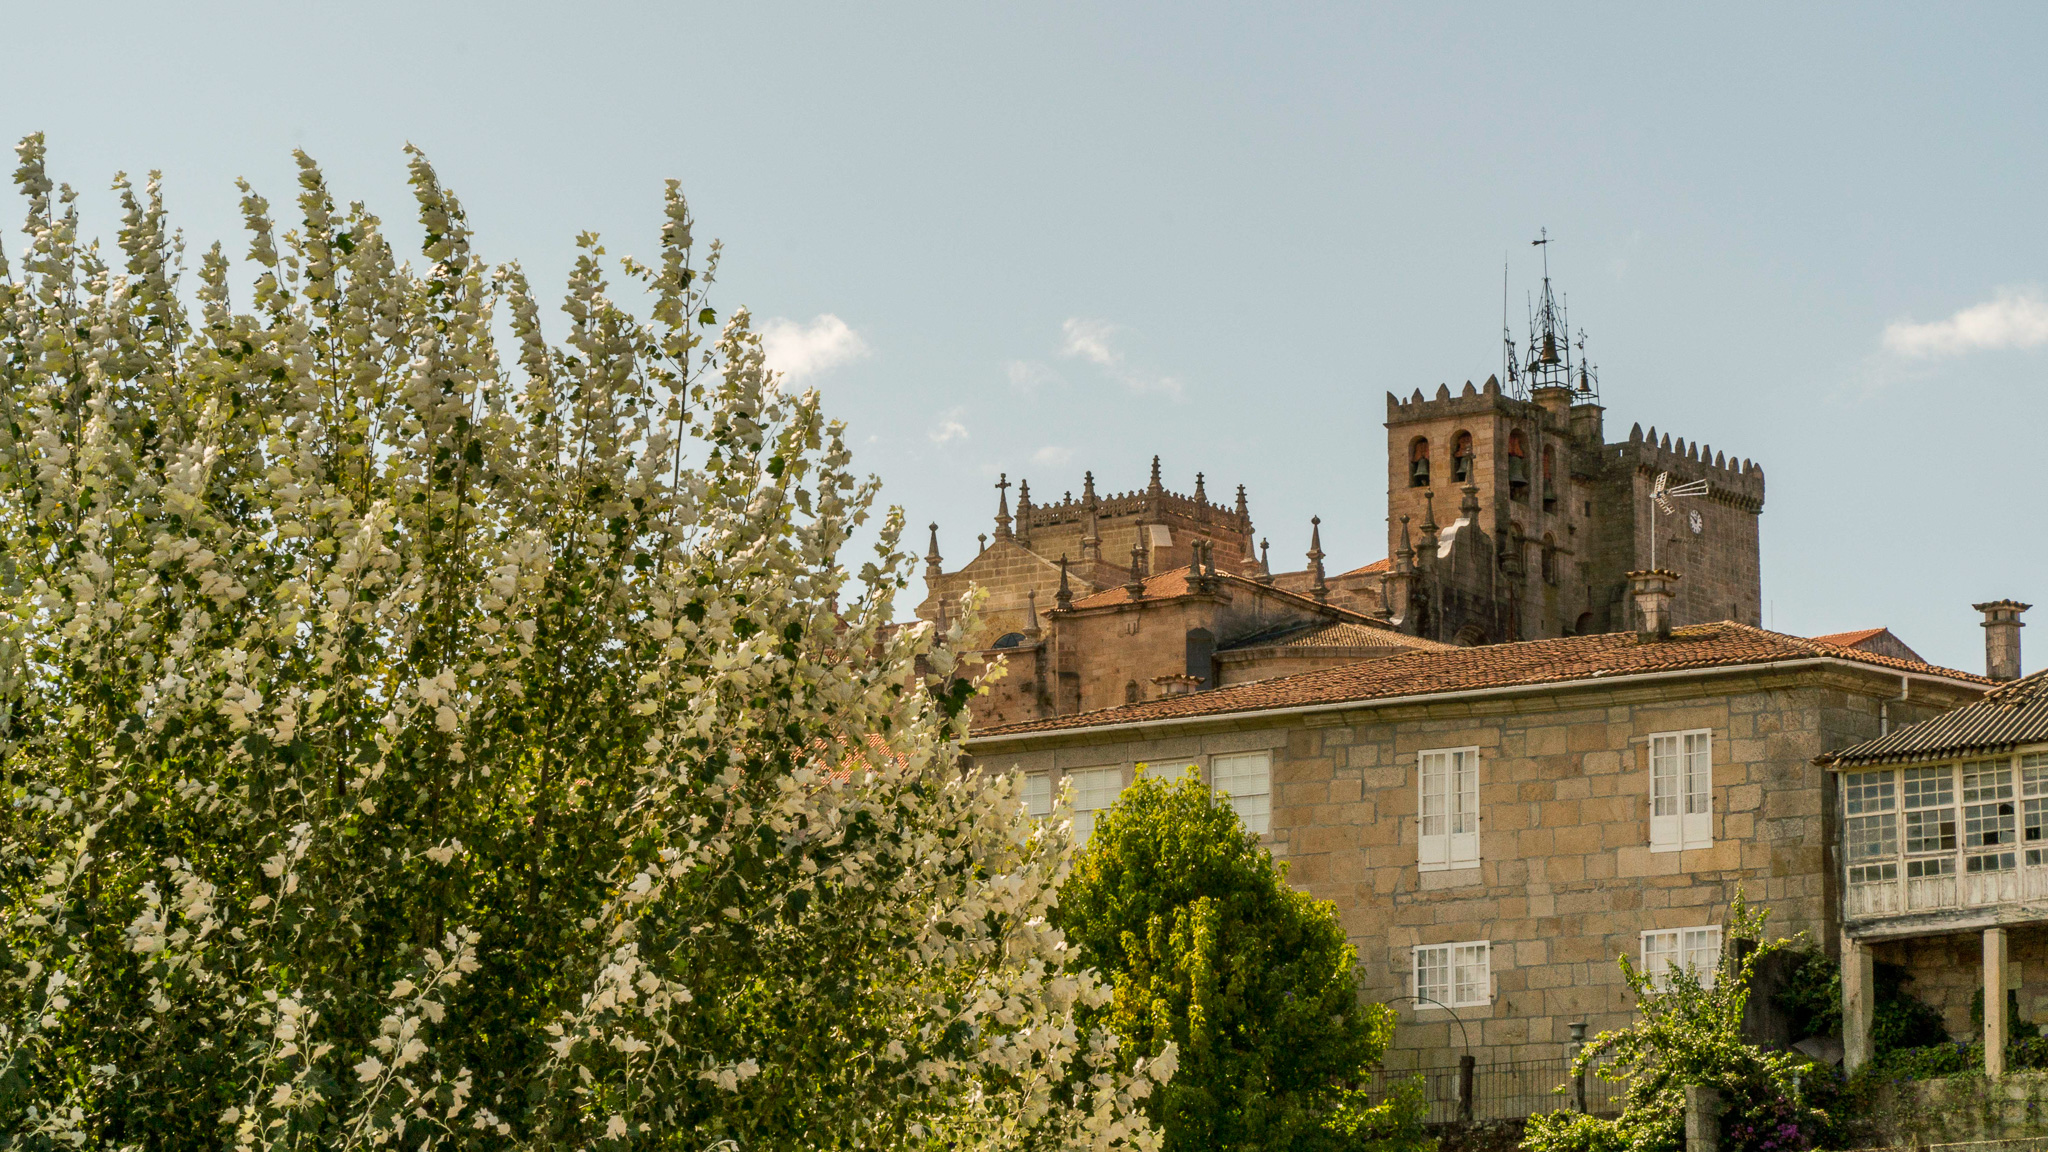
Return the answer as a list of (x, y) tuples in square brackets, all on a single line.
[(1692, 517)]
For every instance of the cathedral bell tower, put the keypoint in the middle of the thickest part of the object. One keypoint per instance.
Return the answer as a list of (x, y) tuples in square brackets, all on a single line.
[(1551, 519), (1512, 457)]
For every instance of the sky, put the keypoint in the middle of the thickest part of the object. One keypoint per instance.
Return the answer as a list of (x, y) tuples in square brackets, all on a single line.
[(1042, 239)]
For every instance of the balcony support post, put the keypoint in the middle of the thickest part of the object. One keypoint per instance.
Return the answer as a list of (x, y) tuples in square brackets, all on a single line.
[(1858, 995), (1996, 1027)]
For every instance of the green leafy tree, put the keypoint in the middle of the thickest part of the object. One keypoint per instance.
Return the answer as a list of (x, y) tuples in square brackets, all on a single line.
[(1211, 952), (405, 746), (1690, 1033)]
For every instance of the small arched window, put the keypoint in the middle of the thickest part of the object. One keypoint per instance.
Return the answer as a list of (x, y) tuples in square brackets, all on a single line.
[(1130, 691), (1518, 466), (1461, 457), (1418, 463), (1549, 559), (1549, 478), (1585, 624)]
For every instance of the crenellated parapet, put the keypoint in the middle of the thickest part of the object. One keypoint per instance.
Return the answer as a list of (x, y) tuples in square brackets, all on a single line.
[(1471, 401), (1115, 505), (1736, 482)]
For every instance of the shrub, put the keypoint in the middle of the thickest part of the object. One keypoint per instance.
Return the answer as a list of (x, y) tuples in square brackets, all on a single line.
[(401, 745), (1251, 981), (1927, 1062), (1690, 1034), (1898, 1019), (1813, 998)]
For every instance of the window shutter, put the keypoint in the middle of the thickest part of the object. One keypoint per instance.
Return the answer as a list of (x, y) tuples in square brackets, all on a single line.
[(1448, 809), (1464, 846), (1433, 809), (1472, 980), (1698, 821), (1666, 824)]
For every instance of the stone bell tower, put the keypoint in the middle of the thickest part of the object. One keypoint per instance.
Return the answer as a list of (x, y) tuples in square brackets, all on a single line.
[(1510, 518)]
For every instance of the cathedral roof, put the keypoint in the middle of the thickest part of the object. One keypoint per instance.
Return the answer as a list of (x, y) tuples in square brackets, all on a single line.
[(2012, 715), (1158, 586), (1870, 640), (1372, 569), (1701, 647), (1329, 634), (1850, 639)]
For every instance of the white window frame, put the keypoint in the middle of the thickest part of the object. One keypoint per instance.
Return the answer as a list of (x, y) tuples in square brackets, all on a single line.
[(1037, 792), (1447, 808), (1089, 797), (1687, 946), (1462, 987), (1246, 780), (1682, 790)]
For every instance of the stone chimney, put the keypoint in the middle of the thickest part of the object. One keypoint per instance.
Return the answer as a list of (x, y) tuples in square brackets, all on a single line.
[(2002, 638), (1176, 685), (1653, 590)]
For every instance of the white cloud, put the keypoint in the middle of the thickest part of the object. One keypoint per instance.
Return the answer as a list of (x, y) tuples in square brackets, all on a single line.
[(1090, 340), (949, 429), (797, 350), (1028, 375), (1052, 456), (2013, 319)]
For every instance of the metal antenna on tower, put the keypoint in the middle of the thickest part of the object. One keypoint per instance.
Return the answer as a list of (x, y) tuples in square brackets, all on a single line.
[(1513, 376)]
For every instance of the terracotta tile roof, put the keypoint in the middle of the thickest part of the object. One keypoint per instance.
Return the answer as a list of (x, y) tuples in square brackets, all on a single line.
[(1372, 569), (1159, 586), (1332, 634), (1848, 639), (2010, 716), (1167, 585), (1530, 662)]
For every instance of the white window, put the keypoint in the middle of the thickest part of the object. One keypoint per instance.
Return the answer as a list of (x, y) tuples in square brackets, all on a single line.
[(1449, 809), (1038, 793), (1094, 790), (1454, 975), (1247, 778), (1871, 804), (1681, 791), (1698, 949), (2034, 787), (1930, 800), (1989, 826)]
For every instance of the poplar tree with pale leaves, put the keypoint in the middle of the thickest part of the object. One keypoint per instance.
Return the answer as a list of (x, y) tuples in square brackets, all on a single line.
[(410, 746)]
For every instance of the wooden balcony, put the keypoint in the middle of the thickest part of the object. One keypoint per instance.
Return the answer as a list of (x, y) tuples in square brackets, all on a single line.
[(1943, 893)]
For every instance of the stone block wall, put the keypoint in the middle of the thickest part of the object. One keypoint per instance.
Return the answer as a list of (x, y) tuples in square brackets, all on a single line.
[(1946, 971), (1566, 881)]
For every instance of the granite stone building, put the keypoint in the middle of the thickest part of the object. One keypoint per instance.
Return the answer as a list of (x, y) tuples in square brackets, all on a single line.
[(1944, 857), (1496, 825), (1509, 517)]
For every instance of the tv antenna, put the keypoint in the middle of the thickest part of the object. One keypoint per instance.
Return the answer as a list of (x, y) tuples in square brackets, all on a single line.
[(1661, 495)]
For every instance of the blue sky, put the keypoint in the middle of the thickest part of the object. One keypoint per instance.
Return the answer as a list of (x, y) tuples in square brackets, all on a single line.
[(1047, 238)]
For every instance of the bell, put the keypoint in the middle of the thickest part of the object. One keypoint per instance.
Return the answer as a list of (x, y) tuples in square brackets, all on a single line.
[(1418, 473), (1549, 348)]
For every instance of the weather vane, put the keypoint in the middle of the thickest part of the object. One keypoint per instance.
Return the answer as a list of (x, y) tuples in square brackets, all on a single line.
[(1661, 495)]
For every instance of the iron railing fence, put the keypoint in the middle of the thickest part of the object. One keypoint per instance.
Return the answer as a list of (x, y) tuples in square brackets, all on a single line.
[(1509, 1090)]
